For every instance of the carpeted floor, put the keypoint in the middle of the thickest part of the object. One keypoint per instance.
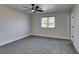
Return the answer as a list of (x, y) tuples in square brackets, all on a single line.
[(39, 45)]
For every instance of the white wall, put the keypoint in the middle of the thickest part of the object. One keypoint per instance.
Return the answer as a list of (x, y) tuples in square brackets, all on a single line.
[(75, 23), (62, 29), (13, 25)]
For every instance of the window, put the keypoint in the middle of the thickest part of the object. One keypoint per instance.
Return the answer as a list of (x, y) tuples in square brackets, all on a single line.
[(48, 22)]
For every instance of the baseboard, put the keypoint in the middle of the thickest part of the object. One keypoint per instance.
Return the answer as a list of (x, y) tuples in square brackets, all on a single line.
[(13, 40), (30, 35), (52, 36)]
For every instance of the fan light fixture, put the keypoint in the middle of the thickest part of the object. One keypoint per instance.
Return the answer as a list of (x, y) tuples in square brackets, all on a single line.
[(34, 8)]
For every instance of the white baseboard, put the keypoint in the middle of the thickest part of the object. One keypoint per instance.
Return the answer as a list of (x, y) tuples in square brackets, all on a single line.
[(13, 40), (52, 36), (30, 35)]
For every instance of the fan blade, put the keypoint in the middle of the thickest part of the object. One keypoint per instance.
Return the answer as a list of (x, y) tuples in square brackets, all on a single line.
[(40, 10), (27, 10), (26, 7)]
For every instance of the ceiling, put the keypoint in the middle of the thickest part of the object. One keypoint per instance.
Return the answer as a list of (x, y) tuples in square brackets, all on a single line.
[(45, 7)]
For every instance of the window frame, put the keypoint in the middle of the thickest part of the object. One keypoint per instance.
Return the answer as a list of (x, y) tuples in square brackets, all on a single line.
[(48, 22)]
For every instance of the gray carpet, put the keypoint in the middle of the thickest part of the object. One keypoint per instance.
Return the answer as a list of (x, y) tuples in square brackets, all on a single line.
[(39, 45)]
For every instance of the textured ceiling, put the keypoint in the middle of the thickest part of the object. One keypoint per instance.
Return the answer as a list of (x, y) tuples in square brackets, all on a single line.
[(45, 7)]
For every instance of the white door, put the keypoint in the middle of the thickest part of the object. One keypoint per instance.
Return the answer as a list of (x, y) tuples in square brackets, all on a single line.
[(75, 26)]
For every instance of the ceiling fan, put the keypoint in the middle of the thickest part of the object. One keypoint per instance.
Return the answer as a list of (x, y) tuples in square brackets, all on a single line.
[(34, 8)]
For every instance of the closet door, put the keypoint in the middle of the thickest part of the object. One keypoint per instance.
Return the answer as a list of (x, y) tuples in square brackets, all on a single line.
[(76, 29), (75, 26)]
